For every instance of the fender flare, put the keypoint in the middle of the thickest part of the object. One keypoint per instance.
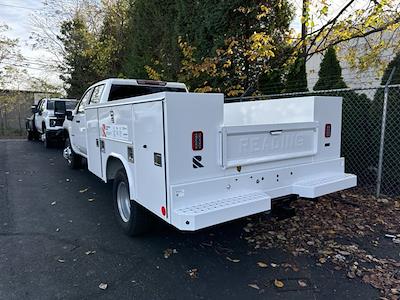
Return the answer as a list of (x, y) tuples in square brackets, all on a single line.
[(132, 188)]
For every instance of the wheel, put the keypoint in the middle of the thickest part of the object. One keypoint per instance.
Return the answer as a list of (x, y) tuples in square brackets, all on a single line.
[(45, 138), (30, 135), (74, 160), (132, 217)]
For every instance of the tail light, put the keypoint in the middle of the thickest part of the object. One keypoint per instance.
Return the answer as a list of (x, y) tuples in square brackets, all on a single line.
[(197, 140), (328, 130)]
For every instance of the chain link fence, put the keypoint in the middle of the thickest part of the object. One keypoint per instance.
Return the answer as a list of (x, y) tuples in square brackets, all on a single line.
[(363, 137)]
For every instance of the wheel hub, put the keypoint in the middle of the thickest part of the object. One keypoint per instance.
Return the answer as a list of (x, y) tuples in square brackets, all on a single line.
[(67, 153), (123, 201)]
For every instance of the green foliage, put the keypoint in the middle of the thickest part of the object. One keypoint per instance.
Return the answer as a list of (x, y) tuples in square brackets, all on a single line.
[(330, 72), (152, 39), (271, 83), (79, 57), (296, 80), (254, 38), (91, 55)]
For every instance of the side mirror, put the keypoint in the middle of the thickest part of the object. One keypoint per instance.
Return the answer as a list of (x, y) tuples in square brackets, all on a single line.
[(69, 115), (34, 109), (60, 108)]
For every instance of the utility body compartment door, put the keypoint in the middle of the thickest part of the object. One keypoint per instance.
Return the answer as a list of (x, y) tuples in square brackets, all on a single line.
[(252, 144), (93, 142), (150, 175)]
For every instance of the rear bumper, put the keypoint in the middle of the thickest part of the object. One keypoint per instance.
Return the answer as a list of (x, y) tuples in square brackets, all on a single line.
[(201, 204)]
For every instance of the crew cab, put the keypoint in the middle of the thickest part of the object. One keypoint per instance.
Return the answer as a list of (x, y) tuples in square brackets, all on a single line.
[(46, 122), (194, 161)]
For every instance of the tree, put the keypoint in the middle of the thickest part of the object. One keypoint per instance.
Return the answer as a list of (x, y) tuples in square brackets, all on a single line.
[(113, 38), (152, 39), (8, 47), (271, 82), (296, 79), (12, 81), (79, 58), (255, 38), (330, 72), (363, 25)]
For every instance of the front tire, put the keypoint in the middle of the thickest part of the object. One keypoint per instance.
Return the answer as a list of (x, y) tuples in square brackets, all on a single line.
[(132, 217), (74, 160), (30, 135), (45, 138)]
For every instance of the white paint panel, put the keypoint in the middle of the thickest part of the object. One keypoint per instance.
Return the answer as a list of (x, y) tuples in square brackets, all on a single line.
[(148, 142), (251, 144), (92, 141)]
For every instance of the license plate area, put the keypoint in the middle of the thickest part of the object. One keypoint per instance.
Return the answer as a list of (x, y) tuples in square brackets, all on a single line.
[(252, 144)]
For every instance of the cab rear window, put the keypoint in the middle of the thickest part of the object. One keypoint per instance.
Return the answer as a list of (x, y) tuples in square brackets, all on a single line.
[(119, 91), (68, 104)]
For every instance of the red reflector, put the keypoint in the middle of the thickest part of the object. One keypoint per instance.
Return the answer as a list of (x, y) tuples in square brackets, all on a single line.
[(197, 140), (328, 130), (163, 211)]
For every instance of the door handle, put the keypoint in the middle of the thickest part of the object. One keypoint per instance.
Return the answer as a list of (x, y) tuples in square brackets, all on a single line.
[(78, 121), (275, 132)]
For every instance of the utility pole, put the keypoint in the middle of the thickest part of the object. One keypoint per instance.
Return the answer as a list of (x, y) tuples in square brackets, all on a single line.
[(304, 16)]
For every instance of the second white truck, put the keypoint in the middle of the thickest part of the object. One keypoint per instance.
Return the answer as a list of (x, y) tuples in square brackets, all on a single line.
[(194, 161)]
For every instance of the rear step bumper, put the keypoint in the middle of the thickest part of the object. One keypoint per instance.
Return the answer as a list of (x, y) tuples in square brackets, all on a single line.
[(204, 213), (222, 210), (316, 187)]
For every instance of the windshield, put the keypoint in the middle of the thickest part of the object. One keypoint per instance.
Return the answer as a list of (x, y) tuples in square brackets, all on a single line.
[(69, 105), (119, 91)]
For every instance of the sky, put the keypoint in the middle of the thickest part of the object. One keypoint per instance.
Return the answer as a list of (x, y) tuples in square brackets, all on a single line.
[(17, 15)]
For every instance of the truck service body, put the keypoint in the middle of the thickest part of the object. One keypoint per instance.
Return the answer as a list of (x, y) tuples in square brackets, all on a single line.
[(195, 161)]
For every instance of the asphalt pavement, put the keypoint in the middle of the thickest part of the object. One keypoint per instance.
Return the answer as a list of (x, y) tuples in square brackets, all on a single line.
[(59, 240)]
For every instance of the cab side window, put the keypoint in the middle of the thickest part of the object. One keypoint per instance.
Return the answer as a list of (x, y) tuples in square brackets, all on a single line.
[(42, 106), (84, 101), (97, 92), (39, 105)]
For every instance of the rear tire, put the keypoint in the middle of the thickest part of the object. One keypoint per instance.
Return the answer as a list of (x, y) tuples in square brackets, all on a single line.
[(131, 216), (74, 160)]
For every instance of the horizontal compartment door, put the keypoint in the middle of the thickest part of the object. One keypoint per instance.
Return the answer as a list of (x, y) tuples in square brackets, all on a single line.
[(252, 144)]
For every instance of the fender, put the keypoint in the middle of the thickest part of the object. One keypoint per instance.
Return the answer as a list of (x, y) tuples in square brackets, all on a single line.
[(132, 188), (66, 134)]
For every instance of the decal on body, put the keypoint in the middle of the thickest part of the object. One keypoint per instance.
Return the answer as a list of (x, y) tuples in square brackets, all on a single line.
[(115, 131)]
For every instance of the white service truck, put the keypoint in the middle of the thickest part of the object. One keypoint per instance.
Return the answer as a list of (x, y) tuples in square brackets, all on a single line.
[(195, 162)]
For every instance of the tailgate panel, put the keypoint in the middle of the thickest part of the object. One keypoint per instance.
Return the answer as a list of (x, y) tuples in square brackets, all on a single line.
[(252, 144)]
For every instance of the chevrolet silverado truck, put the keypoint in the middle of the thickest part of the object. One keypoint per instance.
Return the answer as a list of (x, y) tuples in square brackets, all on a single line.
[(194, 161), (46, 122)]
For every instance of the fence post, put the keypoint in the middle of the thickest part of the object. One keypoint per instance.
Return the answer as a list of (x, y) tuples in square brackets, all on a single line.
[(383, 127)]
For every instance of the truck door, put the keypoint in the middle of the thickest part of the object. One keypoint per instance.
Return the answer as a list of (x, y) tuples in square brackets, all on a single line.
[(93, 134), (148, 142), (79, 124)]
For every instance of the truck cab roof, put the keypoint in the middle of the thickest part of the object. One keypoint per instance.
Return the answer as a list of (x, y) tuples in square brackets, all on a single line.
[(113, 89), (140, 82)]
